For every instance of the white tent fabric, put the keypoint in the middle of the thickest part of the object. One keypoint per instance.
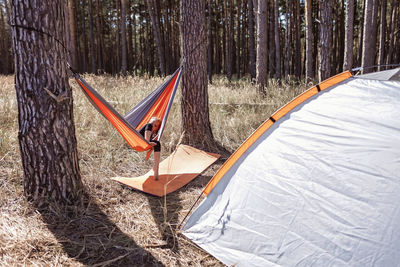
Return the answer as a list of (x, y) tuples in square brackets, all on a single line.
[(321, 187)]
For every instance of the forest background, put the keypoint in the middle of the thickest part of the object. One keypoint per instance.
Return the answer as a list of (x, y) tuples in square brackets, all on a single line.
[(274, 48)]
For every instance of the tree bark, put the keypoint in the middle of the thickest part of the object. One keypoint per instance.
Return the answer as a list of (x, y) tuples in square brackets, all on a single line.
[(325, 39), (278, 74), (91, 34), (229, 38), (155, 21), (252, 46), (210, 41), (349, 36), (45, 109), (309, 42), (382, 35), (100, 61), (123, 38), (195, 113), (367, 59), (262, 44), (288, 38), (72, 33), (297, 43)]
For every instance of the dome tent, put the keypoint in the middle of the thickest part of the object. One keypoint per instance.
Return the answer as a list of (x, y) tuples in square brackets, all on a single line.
[(318, 183)]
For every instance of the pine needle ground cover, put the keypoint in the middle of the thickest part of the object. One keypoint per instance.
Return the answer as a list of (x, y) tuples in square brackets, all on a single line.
[(116, 226)]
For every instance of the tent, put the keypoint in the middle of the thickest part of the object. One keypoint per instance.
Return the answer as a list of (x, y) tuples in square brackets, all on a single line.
[(317, 184)]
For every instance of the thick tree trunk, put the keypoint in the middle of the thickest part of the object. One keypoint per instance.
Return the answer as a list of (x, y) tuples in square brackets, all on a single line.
[(252, 45), (262, 44), (325, 39), (46, 126), (349, 36), (155, 21), (195, 113), (367, 59), (309, 42)]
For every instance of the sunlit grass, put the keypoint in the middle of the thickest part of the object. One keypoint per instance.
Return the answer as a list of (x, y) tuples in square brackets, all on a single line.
[(236, 110)]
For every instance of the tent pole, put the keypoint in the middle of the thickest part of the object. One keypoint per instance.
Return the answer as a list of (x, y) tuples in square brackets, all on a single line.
[(190, 210)]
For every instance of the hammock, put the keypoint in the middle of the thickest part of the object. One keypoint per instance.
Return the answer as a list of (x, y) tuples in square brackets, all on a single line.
[(157, 104)]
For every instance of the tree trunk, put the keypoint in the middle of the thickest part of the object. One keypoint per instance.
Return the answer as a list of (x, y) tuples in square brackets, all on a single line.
[(252, 49), (325, 39), (229, 38), (288, 38), (123, 37), (297, 42), (368, 54), (100, 42), (382, 35), (262, 43), (92, 56), (393, 30), (278, 74), (349, 36), (45, 109), (238, 32), (309, 43), (155, 21), (210, 41), (72, 33), (195, 113), (361, 34)]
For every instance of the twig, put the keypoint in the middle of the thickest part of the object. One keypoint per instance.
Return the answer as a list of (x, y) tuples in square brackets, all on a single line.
[(59, 98), (105, 263)]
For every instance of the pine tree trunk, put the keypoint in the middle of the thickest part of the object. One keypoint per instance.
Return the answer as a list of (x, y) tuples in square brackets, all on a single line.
[(252, 45), (210, 41), (297, 42), (309, 43), (288, 38), (382, 35), (46, 127), (100, 61), (195, 113), (123, 38), (72, 33), (325, 40), (278, 74), (262, 43), (229, 37), (349, 36), (155, 21), (238, 32), (91, 34), (368, 45)]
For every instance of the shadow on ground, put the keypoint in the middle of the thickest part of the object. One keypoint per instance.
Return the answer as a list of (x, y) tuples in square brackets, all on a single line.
[(87, 235)]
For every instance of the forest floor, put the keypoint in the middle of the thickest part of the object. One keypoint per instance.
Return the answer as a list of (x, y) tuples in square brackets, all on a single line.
[(116, 226)]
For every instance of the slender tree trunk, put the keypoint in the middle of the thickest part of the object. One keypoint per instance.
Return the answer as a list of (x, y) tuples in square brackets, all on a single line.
[(45, 109), (118, 37), (72, 33), (155, 21), (309, 42), (288, 38), (341, 37), (123, 37), (210, 41), (297, 42), (382, 35), (100, 42), (262, 44), (349, 36), (393, 30), (361, 34), (91, 34), (252, 46), (278, 74), (238, 32), (195, 113), (325, 39), (229, 38)]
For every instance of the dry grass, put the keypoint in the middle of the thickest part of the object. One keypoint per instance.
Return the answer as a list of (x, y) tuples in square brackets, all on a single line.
[(117, 226)]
